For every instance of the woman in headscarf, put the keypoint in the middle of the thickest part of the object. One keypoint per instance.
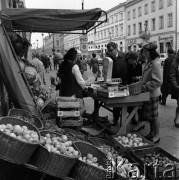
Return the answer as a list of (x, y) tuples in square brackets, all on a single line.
[(152, 81)]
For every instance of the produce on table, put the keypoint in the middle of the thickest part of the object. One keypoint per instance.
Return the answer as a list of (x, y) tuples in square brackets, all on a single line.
[(153, 158), (20, 132), (59, 145), (130, 140), (29, 119), (90, 159)]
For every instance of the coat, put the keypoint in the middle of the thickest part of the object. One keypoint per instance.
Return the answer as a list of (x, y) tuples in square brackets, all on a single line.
[(152, 78), (174, 79), (166, 74)]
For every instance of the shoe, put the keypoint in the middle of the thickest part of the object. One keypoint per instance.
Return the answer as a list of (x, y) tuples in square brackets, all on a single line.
[(176, 124), (149, 136), (155, 140), (163, 103), (138, 129)]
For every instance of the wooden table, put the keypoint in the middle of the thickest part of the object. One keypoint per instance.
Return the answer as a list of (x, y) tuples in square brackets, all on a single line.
[(124, 102)]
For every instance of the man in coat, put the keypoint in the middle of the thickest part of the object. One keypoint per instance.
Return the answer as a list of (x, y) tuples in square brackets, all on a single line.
[(119, 71), (165, 89), (174, 79)]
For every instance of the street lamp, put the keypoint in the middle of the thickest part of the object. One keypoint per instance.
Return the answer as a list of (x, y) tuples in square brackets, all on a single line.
[(43, 42), (82, 3), (37, 43)]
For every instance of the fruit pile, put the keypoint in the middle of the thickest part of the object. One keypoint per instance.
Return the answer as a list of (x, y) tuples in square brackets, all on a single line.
[(153, 158), (29, 120), (130, 140), (59, 145), (124, 168), (90, 159), (20, 132)]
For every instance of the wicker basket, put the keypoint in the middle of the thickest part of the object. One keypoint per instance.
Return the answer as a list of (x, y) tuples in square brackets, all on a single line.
[(84, 171), (135, 88), (53, 164), (12, 149), (100, 142), (23, 113)]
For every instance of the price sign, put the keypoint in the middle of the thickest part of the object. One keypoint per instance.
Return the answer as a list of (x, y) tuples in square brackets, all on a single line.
[(84, 44)]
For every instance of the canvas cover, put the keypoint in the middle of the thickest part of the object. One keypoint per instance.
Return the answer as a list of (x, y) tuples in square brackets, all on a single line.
[(10, 73), (49, 20)]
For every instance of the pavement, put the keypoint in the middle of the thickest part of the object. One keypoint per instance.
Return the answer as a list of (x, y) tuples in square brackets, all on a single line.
[(169, 134)]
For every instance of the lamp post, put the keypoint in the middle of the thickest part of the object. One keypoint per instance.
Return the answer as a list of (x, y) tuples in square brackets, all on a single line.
[(43, 42), (145, 26), (53, 42), (37, 43), (82, 3)]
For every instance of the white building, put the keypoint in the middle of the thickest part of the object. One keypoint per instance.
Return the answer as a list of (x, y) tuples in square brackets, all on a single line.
[(151, 20)]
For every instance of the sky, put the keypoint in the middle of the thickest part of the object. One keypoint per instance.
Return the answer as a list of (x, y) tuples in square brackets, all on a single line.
[(67, 4)]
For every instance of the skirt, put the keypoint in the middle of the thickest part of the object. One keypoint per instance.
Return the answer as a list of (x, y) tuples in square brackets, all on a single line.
[(150, 109)]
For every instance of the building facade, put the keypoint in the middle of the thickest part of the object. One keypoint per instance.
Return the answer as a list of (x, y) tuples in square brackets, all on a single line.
[(151, 20)]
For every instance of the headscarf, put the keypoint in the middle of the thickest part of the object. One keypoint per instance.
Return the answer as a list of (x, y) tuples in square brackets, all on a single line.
[(30, 70), (131, 55), (113, 44), (150, 46)]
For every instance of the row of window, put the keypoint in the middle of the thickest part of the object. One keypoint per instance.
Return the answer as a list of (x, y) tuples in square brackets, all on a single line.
[(146, 8), (153, 24)]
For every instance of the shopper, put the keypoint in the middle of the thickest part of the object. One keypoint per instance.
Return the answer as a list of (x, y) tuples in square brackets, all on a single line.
[(152, 81), (174, 79), (39, 66), (119, 71), (95, 66), (72, 81), (165, 89)]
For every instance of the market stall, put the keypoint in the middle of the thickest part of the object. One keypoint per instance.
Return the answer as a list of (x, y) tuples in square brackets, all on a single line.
[(124, 102)]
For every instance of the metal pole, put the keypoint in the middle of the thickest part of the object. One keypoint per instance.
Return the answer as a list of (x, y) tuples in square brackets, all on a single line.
[(37, 44), (53, 42), (82, 4), (43, 42)]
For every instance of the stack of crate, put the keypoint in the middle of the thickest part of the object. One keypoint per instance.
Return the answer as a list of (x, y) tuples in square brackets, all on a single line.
[(68, 112)]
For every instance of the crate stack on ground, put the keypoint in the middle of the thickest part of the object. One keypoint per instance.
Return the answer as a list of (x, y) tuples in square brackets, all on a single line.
[(68, 112)]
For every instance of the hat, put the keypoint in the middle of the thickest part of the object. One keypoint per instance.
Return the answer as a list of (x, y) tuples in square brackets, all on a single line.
[(113, 44), (30, 70), (150, 46)]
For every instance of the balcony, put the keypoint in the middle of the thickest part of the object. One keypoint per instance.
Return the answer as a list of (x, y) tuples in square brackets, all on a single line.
[(144, 34)]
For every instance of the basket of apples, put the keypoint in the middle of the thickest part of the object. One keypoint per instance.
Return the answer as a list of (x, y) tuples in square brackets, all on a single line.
[(56, 154), (26, 116), (18, 140), (91, 164)]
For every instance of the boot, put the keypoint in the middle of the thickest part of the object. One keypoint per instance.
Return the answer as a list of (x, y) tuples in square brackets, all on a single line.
[(176, 120)]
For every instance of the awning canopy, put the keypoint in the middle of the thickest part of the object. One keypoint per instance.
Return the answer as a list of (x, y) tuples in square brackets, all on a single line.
[(51, 20)]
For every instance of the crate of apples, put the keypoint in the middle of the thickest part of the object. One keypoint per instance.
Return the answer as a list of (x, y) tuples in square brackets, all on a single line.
[(131, 141)]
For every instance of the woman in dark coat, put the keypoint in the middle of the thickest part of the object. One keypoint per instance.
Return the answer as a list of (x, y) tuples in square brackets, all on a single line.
[(95, 66), (174, 79)]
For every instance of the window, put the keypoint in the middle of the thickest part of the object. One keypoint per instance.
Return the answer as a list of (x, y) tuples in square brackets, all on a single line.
[(153, 24), (58, 42), (161, 22), (139, 11), (134, 13), (105, 33), (146, 25), (170, 20), (160, 4), (112, 20), (140, 27), (129, 30), (134, 29), (112, 30), (146, 9), (116, 17), (101, 34), (121, 30), (169, 2), (121, 16), (153, 6), (128, 15), (116, 31)]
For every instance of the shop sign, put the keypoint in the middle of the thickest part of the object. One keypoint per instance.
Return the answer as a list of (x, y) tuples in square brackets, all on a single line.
[(131, 42), (169, 38), (84, 44)]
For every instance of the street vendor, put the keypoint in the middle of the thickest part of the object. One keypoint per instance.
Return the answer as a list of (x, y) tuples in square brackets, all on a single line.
[(119, 71), (72, 82)]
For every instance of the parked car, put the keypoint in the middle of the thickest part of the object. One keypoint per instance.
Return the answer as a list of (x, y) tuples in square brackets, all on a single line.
[(163, 56)]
